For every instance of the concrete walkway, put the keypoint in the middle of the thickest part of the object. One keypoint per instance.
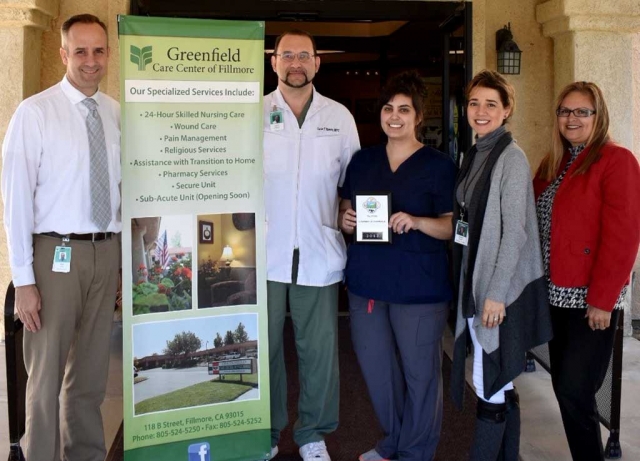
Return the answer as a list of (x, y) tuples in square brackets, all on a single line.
[(162, 382), (251, 394), (543, 437)]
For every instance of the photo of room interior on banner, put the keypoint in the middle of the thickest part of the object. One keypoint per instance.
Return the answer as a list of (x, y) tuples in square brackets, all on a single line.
[(195, 362), (163, 256), (226, 258)]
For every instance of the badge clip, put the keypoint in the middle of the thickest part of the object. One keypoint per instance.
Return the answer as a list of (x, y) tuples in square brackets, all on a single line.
[(276, 119)]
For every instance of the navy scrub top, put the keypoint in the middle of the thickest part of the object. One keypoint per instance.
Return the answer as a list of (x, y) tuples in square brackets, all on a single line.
[(413, 269)]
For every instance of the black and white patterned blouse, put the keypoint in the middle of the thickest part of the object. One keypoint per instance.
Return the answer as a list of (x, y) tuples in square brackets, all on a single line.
[(574, 297)]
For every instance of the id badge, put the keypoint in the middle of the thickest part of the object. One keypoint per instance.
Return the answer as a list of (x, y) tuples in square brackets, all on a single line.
[(62, 259), (462, 233), (276, 120)]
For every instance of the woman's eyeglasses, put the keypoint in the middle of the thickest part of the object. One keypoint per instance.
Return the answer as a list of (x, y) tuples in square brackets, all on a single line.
[(289, 56), (579, 112)]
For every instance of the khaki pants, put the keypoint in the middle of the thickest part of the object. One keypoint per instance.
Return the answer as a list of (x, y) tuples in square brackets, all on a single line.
[(68, 359)]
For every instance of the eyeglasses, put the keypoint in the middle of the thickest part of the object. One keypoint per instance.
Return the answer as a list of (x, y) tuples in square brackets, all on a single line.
[(289, 56), (579, 112)]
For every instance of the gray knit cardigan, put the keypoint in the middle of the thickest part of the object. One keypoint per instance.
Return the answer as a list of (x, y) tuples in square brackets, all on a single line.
[(508, 244)]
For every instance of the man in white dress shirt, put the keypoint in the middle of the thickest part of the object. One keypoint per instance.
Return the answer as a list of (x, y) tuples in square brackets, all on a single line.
[(308, 143), (60, 186)]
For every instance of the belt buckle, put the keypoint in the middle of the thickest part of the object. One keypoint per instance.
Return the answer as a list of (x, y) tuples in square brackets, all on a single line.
[(96, 234)]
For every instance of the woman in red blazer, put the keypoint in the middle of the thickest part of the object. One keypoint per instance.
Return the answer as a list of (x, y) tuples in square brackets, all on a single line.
[(588, 203)]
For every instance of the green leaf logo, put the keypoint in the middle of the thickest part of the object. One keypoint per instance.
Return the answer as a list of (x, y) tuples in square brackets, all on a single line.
[(141, 57)]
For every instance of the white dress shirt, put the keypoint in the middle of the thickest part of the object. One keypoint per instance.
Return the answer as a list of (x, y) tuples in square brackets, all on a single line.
[(45, 172), (303, 168)]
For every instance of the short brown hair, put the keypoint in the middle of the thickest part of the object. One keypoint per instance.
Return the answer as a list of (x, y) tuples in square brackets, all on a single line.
[(298, 33), (494, 81), (411, 84), (597, 139), (81, 19)]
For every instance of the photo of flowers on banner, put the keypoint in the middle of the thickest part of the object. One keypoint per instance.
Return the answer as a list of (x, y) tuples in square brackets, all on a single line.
[(161, 256)]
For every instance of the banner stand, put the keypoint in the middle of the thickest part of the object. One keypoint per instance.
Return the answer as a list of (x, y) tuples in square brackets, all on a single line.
[(195, 353)]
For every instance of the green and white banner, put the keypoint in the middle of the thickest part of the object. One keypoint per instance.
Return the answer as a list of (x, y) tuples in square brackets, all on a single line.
[(196, 384)]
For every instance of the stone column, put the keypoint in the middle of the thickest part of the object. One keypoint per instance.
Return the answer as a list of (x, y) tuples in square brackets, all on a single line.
[(107, 11), (594, 41), (21, 27), (138, 251)]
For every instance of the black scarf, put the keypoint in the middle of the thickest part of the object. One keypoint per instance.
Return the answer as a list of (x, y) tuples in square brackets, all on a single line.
[(475, 212)]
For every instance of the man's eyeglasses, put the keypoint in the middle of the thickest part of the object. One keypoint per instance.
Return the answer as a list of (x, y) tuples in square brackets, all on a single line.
[(289, 56), (579, 112)]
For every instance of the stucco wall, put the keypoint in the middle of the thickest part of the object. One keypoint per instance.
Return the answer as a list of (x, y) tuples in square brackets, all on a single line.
[(52, 68), (612, 55), (20, 57), (532, 121), (12, 76)]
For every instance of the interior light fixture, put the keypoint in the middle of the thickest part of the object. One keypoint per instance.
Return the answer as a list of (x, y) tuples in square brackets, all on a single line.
[(227, 255)]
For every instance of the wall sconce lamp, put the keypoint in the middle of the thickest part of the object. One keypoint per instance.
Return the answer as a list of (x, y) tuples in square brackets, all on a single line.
[(227, 254), (508, 52)]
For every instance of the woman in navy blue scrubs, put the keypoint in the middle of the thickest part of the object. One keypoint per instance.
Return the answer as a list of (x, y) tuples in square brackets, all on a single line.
[(399, 293)]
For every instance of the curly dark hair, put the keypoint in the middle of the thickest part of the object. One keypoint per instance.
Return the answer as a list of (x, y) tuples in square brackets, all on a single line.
[(411, 84)]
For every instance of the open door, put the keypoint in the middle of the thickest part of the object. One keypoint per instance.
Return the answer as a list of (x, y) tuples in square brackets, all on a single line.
[(456, 74)]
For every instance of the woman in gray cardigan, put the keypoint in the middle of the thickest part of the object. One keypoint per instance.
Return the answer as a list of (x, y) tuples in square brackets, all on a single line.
[(502, 305)]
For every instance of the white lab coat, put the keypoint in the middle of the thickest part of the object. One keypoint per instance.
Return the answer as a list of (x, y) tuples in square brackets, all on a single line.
[(303, 168)]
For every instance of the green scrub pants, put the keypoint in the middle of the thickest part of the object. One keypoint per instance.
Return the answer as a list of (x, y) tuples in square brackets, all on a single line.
[(315, 322)]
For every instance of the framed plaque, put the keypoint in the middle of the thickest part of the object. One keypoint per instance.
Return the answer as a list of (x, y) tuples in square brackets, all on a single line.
[(373, 210)]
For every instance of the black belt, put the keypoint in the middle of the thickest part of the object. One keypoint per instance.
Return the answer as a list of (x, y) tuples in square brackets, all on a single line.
[(95, 237)]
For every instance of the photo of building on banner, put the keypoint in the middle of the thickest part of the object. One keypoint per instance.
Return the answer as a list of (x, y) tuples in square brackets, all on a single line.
[(194, 299), (195, 362)]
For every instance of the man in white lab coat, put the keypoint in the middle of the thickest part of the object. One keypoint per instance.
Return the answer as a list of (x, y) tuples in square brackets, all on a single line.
[(308, 142)]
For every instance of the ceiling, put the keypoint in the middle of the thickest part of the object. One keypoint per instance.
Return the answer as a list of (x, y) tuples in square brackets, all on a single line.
[(298, 10), (364, 30)]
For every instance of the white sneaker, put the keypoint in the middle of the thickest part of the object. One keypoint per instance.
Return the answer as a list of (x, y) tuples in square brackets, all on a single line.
[(314, 451), (274, 452)]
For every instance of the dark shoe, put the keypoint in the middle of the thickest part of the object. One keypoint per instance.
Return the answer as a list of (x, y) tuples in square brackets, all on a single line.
[(511, 440), (490, 425)]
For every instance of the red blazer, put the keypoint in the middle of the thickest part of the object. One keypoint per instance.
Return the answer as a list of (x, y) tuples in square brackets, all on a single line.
[(595, 224)]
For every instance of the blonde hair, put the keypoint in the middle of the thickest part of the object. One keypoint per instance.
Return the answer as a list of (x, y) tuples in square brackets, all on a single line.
[(597, 139), (494, 81)]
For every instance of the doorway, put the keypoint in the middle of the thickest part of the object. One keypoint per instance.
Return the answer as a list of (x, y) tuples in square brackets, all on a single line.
[(362, 44)]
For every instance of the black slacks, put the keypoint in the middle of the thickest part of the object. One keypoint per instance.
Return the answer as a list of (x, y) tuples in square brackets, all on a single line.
[(579, 360)]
